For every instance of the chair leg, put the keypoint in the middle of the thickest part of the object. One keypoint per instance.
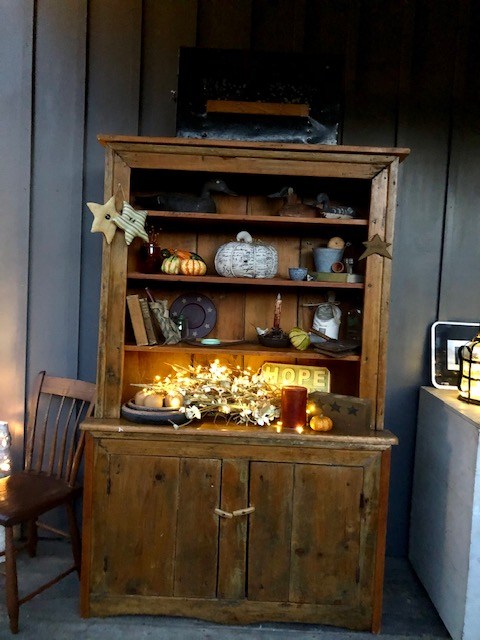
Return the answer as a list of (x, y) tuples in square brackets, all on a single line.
[(74, 536), (32, 538), (11, 580)]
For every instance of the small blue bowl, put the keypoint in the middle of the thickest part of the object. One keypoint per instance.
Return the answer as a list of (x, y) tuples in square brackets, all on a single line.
[(297, 273)]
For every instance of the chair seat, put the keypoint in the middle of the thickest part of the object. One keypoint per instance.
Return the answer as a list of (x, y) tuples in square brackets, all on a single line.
[(24, 496)]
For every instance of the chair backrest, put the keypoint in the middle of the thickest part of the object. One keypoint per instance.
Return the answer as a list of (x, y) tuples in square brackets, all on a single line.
[(54, 442)]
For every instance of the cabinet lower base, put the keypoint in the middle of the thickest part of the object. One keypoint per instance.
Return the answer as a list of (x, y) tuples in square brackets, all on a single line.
[(232, 612)]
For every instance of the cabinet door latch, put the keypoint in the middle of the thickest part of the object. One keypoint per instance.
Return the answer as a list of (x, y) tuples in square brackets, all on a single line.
[(244, 512), (223, 514), (238, 512)]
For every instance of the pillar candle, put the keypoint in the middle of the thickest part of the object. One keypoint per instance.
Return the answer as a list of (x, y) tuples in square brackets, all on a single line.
[(294, 407), (278, 312)]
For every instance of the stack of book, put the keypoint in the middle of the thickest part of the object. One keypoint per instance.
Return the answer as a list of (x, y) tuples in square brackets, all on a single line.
[(151, 321), (144, 329)]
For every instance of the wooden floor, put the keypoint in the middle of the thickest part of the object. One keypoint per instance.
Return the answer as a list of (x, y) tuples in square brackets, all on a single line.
[(53, 615)]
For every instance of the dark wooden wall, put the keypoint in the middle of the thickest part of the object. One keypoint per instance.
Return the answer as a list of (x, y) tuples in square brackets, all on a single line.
[(73, 69)]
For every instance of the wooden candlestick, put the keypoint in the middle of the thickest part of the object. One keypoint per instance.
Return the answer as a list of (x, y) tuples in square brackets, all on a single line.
[(278, 312), (294, 407)]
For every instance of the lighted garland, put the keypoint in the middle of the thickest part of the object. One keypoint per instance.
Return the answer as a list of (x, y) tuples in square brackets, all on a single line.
[(235, 394)]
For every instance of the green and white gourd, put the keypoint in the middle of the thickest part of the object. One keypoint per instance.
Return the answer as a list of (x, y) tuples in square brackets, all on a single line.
[(299, 338)]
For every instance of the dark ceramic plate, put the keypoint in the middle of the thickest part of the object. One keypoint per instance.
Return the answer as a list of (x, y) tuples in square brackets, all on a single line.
[(199, 312), (337, 346), (139, 407), (213, 344), (281, 342), (148, 415)]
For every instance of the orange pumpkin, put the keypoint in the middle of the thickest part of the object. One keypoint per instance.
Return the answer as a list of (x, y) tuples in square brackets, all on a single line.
[(183, 254), (193, 267), (321, 423)]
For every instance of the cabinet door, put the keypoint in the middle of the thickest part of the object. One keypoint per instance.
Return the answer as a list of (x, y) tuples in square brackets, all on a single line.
[(159, 530), (304, 538)]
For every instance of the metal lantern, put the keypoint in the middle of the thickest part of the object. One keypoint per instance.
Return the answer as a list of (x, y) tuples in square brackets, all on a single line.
[(469, 384)]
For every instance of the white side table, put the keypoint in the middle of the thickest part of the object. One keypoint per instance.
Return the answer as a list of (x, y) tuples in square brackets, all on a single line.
[(445, 518)]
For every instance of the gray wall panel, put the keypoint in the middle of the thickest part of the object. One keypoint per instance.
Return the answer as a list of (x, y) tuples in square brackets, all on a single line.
[(168, 25), (278, 26), (373, 68), (424, 112), (54, 298), (16, 38), (459, 299), (224, 24), (113, 104)]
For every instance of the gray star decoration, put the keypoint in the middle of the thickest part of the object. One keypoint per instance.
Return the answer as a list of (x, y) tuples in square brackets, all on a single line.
[(350, 410), (376, 245)]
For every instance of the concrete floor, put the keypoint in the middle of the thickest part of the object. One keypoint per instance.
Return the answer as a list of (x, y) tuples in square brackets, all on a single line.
[(53, 615)]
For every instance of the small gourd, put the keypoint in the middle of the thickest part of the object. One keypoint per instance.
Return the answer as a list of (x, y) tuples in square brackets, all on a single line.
[(140, 397), (321, 423), (193, 267), (154, 401), (171, 265), (336, 243), (299, 338), (246, 258), (173, 400), (183, 254)]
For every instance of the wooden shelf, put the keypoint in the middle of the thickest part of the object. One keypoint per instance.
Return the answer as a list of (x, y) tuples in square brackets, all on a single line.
[(277, 221), (255, 282), (244, 348)]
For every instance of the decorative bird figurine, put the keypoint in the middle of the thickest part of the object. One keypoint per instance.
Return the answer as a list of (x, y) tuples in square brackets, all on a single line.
[(327, 210), (293, 206), (172, 201)]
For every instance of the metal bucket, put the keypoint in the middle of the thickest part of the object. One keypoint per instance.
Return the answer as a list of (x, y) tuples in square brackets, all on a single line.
[(324, 258)]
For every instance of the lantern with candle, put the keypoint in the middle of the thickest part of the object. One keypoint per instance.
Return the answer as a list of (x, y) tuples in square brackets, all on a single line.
[(469, 384)]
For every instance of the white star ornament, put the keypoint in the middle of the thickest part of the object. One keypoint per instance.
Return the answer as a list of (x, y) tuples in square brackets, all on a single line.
[(103, 215)]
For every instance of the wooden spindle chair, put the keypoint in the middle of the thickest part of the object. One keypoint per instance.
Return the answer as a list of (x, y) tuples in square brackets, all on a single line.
[(53, 453)]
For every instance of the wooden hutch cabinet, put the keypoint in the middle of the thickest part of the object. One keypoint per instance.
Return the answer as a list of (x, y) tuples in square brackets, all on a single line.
[(224, 522)]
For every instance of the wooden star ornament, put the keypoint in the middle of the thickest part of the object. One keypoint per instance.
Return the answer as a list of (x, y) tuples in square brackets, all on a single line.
[(103, 215), (376, 245)]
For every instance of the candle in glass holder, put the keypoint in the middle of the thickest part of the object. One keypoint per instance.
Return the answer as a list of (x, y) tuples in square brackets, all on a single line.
[(5, 442), (294, 407)]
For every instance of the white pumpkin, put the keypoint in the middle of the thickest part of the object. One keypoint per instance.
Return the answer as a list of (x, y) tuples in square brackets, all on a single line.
[(246, 258)]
